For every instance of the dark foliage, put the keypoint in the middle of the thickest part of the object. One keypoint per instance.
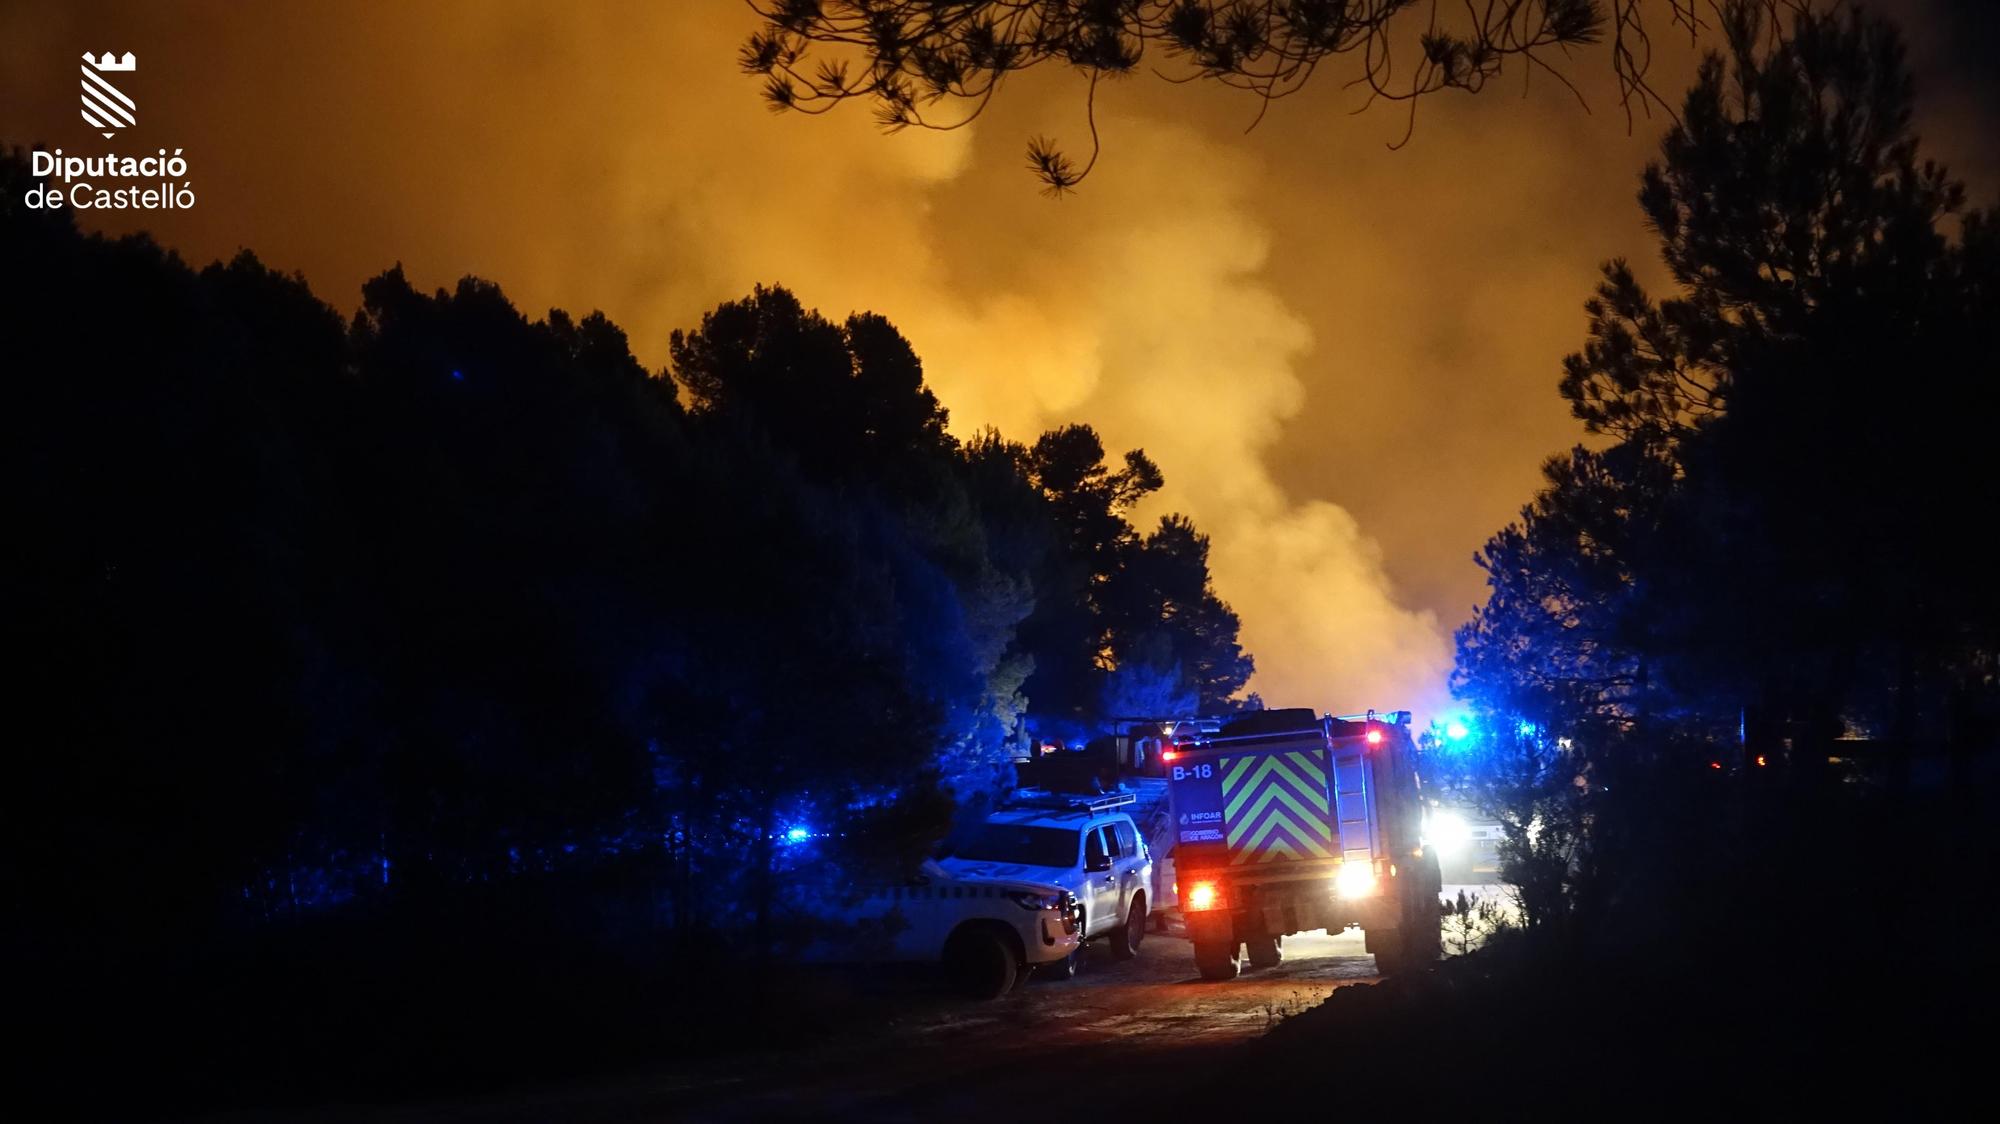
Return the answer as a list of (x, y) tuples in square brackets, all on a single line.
[(1737, 670), (1767, 971), (937, 63), (429, 693), (1780, 544)]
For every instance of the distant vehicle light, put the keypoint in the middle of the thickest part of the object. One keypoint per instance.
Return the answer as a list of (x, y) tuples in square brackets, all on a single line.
[(1169, 754), (1374, 737), (1355, 880), (1715, 764), (1448, 833), (798, 834), (1761, 762), (1202, 896)]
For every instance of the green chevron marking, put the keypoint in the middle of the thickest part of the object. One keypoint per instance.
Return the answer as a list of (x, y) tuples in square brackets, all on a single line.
[(1308, 761), (1278, 822), (1230, 777), (1270, 765), (1277, 792), (1299, 835)]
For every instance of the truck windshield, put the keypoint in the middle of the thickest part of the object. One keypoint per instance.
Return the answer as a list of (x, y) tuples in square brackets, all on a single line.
[(1015, 843)]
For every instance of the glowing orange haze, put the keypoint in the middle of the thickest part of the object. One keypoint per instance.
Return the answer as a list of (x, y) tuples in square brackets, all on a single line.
[(1342, 357)]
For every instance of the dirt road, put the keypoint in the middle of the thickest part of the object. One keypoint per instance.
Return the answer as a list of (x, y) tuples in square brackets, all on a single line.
[(1139, 1026), (1119, 1033)]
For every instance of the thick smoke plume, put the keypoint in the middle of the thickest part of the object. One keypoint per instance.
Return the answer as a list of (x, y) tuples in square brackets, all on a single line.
[(1342, 357)]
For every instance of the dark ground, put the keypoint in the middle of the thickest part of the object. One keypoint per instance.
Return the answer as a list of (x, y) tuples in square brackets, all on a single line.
[(1781, 964), (1134, 1032)]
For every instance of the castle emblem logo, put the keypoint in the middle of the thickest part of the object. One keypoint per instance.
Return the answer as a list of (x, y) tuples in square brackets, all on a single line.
[(105, 106)]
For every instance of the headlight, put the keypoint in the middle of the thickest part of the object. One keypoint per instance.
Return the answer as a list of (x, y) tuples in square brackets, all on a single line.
[(1355, 880), (1029, 901), (1448, 832), (1201, 896)]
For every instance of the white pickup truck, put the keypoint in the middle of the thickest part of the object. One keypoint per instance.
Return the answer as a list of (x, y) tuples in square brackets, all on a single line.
[(988, 933), (1088, 846)]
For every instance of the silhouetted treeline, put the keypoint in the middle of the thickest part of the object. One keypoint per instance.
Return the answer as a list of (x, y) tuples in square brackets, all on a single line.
[(1737, 669), (1735, 679), (1784, 541), (364, 662)]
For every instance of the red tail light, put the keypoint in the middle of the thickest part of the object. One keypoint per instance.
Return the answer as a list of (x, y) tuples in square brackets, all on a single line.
[(1201, 896)]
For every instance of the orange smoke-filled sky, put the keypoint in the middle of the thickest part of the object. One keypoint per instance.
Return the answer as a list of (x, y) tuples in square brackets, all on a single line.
[(1343, 357)]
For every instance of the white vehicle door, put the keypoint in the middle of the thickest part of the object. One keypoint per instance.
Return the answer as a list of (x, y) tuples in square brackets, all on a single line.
[(1130, 863), (1101, 879)]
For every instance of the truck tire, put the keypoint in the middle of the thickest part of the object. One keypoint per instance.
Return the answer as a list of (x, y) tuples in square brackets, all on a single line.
[(1125, 939), (1425, 936), (1265, 952), (1388, 947), (1429, 929), (1022, 974), (1216, 960), (980, 964), (1423, 918), (1419, 941)]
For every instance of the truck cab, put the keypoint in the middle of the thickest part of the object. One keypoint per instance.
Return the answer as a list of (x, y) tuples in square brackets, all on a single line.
[(1288, 821), (1087, 845)]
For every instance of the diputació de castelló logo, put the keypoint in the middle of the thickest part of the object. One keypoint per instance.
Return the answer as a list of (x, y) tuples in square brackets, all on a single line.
[(108, 108)]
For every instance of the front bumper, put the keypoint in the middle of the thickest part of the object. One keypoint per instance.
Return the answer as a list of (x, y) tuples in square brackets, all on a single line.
[(1058, 932), (1289, 907)]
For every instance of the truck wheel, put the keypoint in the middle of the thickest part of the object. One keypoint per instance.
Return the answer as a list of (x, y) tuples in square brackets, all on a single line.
[(980, 964), (1216, 960), (1022, 974), (1421, 947), (1265, 952), (1425, 920), (1388, 947), (1427, 932), (1125, 939)]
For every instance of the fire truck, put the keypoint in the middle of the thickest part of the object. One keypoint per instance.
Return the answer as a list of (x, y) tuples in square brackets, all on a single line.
[(1287, 821)]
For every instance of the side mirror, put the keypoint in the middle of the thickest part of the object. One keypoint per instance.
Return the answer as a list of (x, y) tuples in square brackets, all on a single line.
[(1097, 864)]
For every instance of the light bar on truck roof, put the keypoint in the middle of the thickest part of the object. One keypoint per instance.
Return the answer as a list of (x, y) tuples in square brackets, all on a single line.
[(1068, 801), (1193, 722), (1391, 717)]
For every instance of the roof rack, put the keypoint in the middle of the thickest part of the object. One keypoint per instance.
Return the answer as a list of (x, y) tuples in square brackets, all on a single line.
[(1392, 717), (1068, 801), (1184, 724)]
